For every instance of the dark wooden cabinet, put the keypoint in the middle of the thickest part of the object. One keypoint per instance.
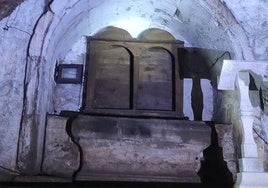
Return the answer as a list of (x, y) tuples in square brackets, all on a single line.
[(133, 78)]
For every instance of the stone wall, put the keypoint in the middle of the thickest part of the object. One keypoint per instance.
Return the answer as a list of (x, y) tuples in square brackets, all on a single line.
[(15, 33), (69, 96)]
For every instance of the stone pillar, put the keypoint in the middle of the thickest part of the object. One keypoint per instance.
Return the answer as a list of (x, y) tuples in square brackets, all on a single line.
[(250, 165), (236, 73), (249, 147)]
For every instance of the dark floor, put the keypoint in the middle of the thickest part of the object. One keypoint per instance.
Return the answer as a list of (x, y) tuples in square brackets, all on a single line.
[(101, 185)]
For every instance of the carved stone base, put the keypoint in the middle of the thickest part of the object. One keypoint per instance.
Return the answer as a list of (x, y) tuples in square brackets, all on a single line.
[(128, 149), (61, 154)]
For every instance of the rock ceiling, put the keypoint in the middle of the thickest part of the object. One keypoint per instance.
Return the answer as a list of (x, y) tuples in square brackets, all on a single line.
[(207, 23)]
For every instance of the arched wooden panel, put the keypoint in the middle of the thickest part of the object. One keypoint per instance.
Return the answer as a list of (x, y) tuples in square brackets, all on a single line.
[(112, 83), (155, 82)]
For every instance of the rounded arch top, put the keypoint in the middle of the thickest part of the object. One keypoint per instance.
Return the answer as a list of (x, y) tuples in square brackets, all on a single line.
[(155, 34), (115, 33)]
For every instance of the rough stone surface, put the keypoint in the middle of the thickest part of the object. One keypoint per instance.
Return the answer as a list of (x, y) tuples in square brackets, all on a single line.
[(15, 34), (264, 139), (227, 141), (61, 154), (252, 16), (123, 149), (260, 137)]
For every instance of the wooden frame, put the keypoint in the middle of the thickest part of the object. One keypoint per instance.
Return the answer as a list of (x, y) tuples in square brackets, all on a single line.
[(135, 49), (69, 74)]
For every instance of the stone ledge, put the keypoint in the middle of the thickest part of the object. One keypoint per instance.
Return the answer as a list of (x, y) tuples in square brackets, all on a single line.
[(136, 149), (40, 179)]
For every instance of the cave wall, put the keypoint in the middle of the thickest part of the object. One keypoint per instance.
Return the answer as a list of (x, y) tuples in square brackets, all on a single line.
[(33, 36), (15, 34)]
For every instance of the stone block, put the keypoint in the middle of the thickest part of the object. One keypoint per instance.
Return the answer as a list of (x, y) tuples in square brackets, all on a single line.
[(136, 149), (61, 154)]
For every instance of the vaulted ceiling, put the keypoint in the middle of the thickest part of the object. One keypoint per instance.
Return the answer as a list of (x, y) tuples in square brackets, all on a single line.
[(196, 22), (213, 24)]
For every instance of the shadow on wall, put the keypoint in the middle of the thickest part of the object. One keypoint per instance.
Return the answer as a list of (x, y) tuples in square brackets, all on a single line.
[(214, 172)]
